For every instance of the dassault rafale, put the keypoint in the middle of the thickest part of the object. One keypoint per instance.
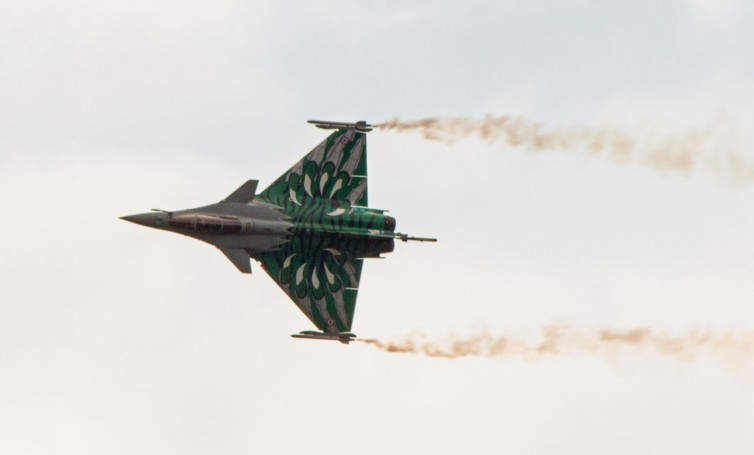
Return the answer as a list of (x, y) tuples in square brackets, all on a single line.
[(310, 230)]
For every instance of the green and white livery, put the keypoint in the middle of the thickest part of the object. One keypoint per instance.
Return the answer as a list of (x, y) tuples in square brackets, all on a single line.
[(311, 229)]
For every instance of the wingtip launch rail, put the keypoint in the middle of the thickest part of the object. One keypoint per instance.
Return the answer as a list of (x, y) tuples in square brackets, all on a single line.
[(361, 126), (343, 337)]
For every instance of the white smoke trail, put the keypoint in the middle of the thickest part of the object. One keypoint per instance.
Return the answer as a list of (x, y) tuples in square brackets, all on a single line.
[(713, 146), (563, 340)]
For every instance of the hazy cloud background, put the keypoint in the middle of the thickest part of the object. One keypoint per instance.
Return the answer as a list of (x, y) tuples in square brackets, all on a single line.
[(119, 339)]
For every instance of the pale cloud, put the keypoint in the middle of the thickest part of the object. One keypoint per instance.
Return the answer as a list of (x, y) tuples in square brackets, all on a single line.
[(119, 339), (715, 9), (130, 71)]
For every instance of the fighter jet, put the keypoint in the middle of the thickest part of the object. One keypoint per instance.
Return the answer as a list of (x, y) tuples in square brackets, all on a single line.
[(310, 230)]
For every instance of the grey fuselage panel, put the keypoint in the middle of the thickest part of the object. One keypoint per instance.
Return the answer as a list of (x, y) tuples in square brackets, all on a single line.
[(232, 225)]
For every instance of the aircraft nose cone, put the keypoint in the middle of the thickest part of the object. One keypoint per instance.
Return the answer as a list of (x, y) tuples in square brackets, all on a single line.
[(144, 219)]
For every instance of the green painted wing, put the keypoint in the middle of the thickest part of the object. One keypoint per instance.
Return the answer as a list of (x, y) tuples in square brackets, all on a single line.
[(334, 171), (320, 266), (321, 275)]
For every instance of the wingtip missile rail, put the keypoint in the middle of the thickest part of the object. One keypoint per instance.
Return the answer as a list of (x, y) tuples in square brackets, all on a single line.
[(343, 337), (361, 126)]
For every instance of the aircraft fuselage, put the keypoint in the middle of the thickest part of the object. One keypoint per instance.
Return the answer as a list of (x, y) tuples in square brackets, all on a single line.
[(259, 228)]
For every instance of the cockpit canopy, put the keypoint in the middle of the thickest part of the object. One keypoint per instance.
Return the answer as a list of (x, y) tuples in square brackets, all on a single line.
[(206, 223)]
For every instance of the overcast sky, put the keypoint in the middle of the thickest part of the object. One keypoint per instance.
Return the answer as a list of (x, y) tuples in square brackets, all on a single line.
[(119, 339)]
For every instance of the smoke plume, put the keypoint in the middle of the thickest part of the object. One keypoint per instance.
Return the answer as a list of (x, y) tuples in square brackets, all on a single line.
[(563, 340), (712, 146)]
